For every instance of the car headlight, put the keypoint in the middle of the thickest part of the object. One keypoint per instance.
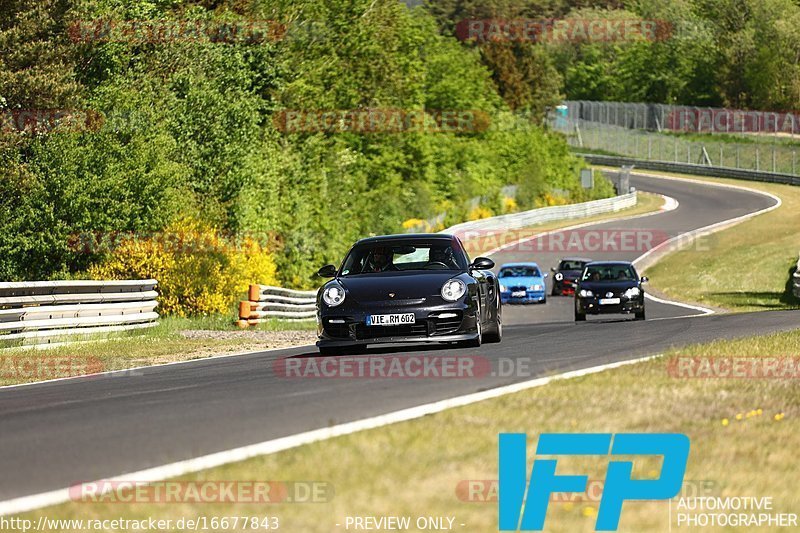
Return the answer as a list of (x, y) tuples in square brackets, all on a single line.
[(536, 287), (559, 276), (503, 288), (333, 295), (453, 290), (633, 292), (585, 293)]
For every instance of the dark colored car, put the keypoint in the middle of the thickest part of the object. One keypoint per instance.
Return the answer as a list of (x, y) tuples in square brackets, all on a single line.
[(609, 287), (408, 288), (566, 275)]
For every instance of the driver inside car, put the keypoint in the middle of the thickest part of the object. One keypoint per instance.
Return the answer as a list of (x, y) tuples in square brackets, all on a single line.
[(443, 255), (381, 261)]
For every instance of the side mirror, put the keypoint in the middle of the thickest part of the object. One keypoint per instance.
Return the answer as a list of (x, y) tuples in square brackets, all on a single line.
[(482, 263), (644, 279), (328, 271)]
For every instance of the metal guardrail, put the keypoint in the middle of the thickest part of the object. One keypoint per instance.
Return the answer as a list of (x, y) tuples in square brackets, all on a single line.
[(524, 219), (265, 302), (55, 312), (796, 280), (687, 168)]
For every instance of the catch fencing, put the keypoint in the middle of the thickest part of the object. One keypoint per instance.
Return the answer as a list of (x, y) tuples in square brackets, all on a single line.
[(266, 302), (36, 313), (637, 131)]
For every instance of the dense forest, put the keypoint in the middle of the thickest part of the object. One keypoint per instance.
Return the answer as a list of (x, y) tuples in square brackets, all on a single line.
[(733, 53), (135, 133)]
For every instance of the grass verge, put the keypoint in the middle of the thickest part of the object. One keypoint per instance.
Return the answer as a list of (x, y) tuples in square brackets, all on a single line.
[(173, 339), (421, 467), (744, 268)]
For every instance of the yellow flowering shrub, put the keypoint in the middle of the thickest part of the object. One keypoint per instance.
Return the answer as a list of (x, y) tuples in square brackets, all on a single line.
[(199, 271), (478, 213), (413, 223), (509, 205), (550, 199)]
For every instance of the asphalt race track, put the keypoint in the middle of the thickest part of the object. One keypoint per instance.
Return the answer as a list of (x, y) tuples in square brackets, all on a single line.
[(56, 434)]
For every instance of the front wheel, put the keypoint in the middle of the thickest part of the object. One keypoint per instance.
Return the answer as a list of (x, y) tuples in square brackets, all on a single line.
[(496, 335), (579, 317), (640, 316), (477, 341)]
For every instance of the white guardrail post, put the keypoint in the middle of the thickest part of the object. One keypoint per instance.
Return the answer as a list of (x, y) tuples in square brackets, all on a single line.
[(796, 280), (266, 302), (57, 312)]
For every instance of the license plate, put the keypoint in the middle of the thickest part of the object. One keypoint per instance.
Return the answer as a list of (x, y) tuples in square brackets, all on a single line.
[(519, 294), (390, 320), (609, 301)]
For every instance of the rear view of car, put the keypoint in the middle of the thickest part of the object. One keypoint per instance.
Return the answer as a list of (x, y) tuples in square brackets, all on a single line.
[(609, 287), (522, 283), (566, 275)]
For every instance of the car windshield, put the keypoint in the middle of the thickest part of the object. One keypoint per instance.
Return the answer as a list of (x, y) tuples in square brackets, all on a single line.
[(520, 272), (571, 265), (609, 273), (380, 257)]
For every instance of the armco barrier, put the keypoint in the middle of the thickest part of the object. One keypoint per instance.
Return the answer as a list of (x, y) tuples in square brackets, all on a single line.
[(267, 302), (55, 312), (688, 168), (796, 280), (524, 219)]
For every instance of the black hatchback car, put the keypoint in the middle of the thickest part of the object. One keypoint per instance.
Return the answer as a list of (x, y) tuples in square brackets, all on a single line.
[(408, 288), (609, 287)]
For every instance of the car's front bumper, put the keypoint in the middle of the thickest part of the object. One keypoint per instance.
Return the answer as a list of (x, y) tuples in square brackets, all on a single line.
[(438, 323), (530, 297), (592, 306)]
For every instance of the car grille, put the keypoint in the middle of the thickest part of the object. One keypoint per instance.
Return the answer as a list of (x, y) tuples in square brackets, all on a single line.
[(519, 288), (443, 326), (420, 329), (337, 330)]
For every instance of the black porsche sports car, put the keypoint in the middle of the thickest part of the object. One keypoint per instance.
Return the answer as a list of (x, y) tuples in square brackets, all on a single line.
[(408, 288), (609, 287), (566, 274)]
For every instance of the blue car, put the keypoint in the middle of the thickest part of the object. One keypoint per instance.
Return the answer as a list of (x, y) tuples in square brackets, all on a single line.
[(522, 283)]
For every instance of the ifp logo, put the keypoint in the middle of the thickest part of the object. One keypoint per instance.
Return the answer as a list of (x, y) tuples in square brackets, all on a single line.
[(619, 486)]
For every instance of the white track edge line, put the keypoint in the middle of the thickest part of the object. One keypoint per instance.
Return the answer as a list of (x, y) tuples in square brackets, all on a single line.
[(55, 497)]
